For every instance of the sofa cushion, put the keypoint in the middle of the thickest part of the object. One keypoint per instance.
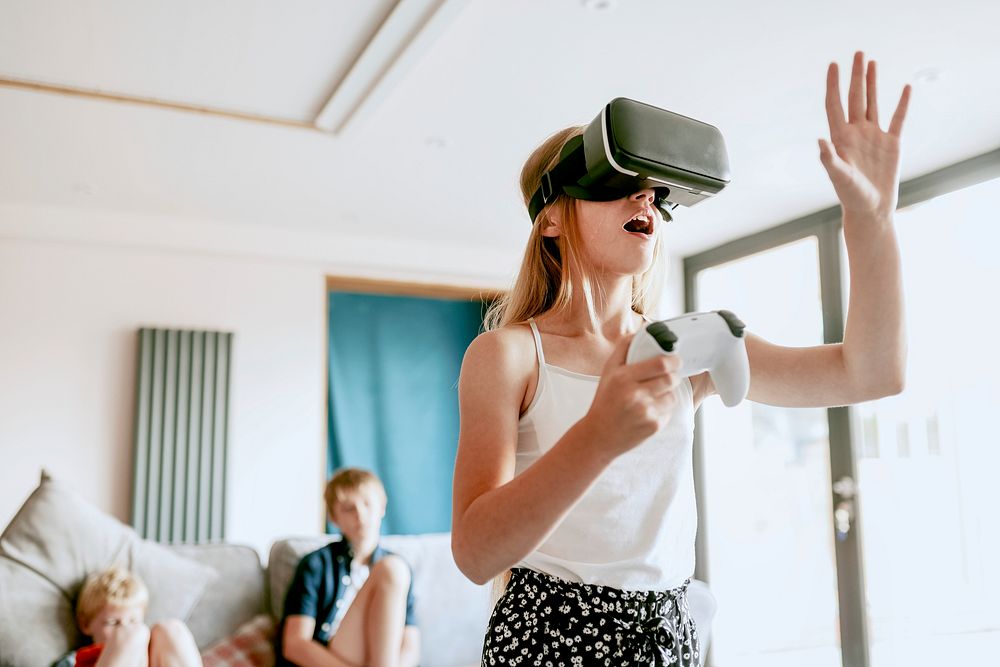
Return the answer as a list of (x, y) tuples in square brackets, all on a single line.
[(251, 645), (31, 606), (452, 612), (236, 596), (281, 563), (62, 538)]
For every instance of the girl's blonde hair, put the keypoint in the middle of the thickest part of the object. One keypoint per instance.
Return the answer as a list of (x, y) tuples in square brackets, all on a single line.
[(554, 270), (115, 585)]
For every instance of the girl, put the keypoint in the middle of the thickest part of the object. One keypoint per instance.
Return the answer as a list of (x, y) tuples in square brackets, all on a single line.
[(574, 469)]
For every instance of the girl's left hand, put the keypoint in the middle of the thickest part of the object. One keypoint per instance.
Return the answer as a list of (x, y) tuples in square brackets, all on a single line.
[(861, 159)]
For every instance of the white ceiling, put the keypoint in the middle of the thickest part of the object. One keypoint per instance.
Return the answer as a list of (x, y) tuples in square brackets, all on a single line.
[(433, 153)]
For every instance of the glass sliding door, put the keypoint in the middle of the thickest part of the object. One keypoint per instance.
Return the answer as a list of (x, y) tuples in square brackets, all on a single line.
[(861, 536), (929, 458), (766, 530)]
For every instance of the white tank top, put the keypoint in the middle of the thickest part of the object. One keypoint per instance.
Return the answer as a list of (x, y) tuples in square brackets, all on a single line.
[(635, 527)]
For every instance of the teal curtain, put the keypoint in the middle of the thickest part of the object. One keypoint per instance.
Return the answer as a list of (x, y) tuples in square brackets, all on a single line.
[(393, 398)]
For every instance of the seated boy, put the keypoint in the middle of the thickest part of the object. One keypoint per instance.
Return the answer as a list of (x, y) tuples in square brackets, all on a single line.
[(110, 610), (350, 603)]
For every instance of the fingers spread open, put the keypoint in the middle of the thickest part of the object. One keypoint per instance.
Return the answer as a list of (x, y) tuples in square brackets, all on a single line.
[(834, 108), (872, 94), (896, 125), (834, 165), (856, 93)]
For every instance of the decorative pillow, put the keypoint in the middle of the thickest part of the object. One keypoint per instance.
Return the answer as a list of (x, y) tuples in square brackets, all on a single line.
[(252, 645), (62, 538), (282, 562), (31, 607)]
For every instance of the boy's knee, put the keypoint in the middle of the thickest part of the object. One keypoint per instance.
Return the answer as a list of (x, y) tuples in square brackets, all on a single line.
[(170, 631), (392, 570)]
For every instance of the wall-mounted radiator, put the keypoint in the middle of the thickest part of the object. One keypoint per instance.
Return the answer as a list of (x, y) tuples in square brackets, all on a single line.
[(181, 433)]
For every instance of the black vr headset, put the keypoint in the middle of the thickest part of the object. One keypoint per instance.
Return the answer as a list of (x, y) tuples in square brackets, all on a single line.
[(632, 146)]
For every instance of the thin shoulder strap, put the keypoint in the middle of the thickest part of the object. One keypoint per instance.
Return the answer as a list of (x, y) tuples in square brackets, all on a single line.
[(538, 342)]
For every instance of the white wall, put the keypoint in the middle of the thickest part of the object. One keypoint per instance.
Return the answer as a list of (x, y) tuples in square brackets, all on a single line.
[(74, 288), (69, 320)]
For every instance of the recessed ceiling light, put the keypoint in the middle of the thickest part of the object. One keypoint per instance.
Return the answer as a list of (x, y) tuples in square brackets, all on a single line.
[(599, 5), (928, 75)]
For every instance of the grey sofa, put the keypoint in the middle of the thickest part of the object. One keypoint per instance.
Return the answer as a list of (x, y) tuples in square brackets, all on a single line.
[(56, 538), (452, 611)]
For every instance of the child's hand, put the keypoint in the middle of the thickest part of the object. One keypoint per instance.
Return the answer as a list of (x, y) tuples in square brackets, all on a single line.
[(120, 633), (633, 401)]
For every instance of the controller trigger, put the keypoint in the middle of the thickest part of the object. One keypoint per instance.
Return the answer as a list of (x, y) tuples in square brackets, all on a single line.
[(663, 336), (734, 323)]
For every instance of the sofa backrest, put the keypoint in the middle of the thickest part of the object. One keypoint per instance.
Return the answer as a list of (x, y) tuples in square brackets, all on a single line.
[(452, 612), (238, 593)]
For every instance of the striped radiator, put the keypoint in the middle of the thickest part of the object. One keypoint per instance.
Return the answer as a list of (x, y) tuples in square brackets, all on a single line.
[(181, 432)]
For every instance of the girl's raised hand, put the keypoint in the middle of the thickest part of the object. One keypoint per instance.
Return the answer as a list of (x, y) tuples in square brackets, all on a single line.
[(861, 159)]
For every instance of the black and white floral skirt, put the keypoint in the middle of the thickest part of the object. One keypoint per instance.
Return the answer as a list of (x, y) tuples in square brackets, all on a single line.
[(544, 621)]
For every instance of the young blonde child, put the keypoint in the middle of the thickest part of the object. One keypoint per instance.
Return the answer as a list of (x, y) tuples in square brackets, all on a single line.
[(111, 610), (574, 470), (350, 603)]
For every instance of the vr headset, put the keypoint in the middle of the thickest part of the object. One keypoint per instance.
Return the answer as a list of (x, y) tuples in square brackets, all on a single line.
[(632, 146)]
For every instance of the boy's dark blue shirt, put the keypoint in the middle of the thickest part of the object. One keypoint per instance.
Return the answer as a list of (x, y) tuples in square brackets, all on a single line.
[(319, 584)]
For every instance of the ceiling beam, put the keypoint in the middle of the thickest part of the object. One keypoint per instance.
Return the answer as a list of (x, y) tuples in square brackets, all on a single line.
[(408, 31), (406, 34)]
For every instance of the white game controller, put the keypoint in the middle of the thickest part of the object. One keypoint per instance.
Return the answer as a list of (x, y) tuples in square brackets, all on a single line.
[(711, 341)]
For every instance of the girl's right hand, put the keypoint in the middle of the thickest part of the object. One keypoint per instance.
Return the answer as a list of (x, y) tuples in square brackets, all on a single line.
[(633, 401)]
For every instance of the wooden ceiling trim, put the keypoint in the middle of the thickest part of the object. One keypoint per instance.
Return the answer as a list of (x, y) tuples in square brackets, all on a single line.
[(59, 89), (408, 288)]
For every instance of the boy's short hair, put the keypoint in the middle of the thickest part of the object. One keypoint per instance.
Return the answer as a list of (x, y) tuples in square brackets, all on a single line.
[(115, 585), (351, 479)]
